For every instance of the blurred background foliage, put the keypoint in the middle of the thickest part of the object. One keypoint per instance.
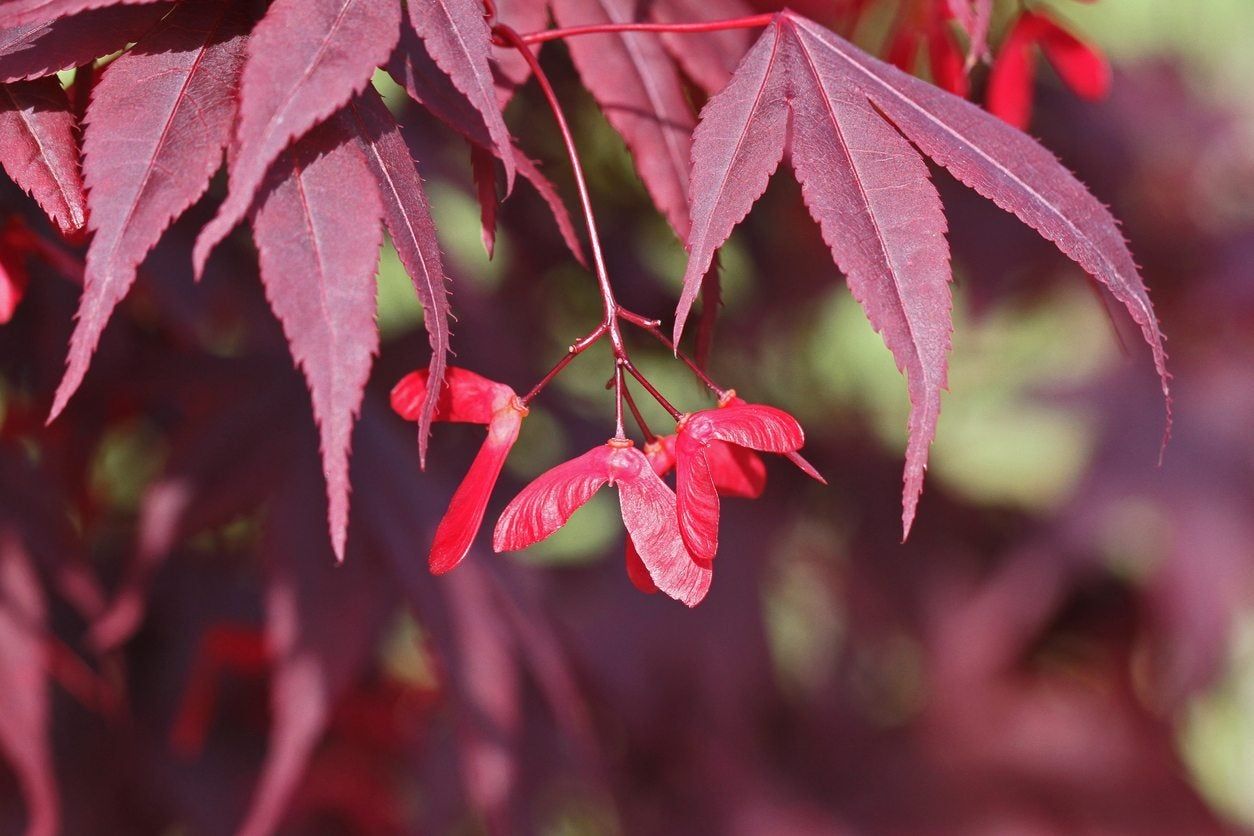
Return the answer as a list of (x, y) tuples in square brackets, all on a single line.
[(1065, 645), (1017, 430)]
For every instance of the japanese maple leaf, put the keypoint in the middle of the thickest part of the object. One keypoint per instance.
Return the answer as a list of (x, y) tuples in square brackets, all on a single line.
[(856, 127), (319, 275), (974, 16), (158, 121), (412, 67), (44, 47), (456, 36), (710, 59), (639, 90), (306, 59), (21, 12), (39, 151), (26, 705), (315, 658), (510, 69), (407, 217)]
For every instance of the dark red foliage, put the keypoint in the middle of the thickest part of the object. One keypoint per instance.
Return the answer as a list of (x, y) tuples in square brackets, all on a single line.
[(408, 221), (184, 648), (855, 123), (159, 120), (639, 89), (39, 150)]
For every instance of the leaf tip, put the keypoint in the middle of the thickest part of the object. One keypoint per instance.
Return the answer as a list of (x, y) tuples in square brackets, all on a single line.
[(910, 498), (69, 385)]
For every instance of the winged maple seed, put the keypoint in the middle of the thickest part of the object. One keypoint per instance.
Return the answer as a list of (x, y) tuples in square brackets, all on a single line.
[(670, 545), (1010, 85), (926, 23), (466, 398), (646, 503), (736, 471), (708, 452)]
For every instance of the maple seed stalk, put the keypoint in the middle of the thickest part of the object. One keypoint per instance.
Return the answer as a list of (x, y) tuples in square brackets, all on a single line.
[(613, 311), (513, 39)]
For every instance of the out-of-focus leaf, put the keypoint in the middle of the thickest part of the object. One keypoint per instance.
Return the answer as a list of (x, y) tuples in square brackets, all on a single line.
[(322, 622), (25, 708), (634, 81)]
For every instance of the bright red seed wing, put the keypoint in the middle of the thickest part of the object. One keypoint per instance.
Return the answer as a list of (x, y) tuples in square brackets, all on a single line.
[(1081, 66), (1010, 83), (39, 151), (945, 61), (461, 521), (466, 397), (1011, 169), (158, 121), (871, 195), (637, 572), (736, 147), (661, 454), (319, 278), (805, 467), (548, 502), (408, 219), (649, 513), (306, 59), (736, 471), (13, 281), (697, 504), (753, 425)]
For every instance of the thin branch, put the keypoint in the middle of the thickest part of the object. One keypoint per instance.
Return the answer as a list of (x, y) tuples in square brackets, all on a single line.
[(679, 28)]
